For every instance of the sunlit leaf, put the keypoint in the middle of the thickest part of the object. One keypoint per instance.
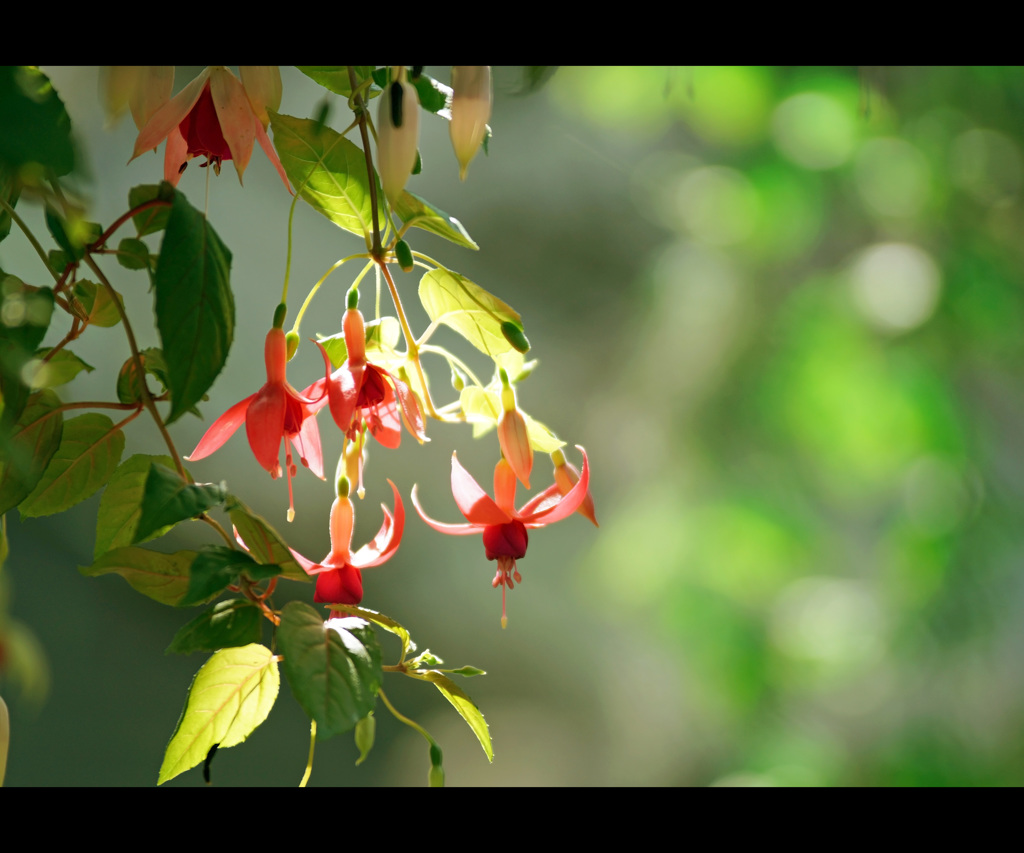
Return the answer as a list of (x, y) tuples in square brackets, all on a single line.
[(121, 504), (467, 308), (218, 566), (60, 369), (385, 622), (195, 311), (264, 543), (237, 622), (162, 577), (90, 448), (230, 696), (465, 706), (31, 445), (328, 171), (419, 213), (168, 499), (334, 669)]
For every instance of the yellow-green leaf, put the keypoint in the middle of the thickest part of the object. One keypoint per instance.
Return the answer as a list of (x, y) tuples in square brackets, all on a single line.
[(264, 543), (465, 706), (467, 308), (162, 577), (230, 696)]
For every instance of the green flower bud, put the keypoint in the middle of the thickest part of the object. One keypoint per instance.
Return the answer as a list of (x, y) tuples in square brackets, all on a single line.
[(514, 335), (366, 730), (404, 255), (291, 342)]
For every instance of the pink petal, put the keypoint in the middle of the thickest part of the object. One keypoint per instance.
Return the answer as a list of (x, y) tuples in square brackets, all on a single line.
[(221, 430), (170, 115), (342, 392), (237, 120), (384, 423), (474, 502), (567, 506), (269, 150), (541, 502), (410, 408), (264, 425), (175, 153), (263, 87), (385, 543), (440, 526)]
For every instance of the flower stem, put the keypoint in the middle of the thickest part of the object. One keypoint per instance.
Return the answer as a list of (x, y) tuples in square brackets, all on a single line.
[(309, 761), (323, 278), (375, 247)]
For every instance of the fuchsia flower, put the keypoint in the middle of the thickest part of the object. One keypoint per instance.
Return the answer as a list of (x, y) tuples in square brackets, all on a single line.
[(502, 525), (338, 578), (360, 393), (275, 412), (216, 117)]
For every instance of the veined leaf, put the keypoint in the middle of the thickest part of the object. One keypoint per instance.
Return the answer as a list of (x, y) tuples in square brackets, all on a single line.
[(34, 440), (385, 622), (328, 171), (90, 448), (121, 504), (195, 311), (263, 542), (334, 668), (227, 624), (467, 308), (419, 213), (162, 577), (230, 696), (129, 388), (167, 499), (152, 219), (465, 706), (217, 567), (100, 309), (59, 370)]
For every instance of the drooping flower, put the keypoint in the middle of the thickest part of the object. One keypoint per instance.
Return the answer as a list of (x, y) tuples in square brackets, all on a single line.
[(338, 575), (398, 134), (471, 110), (217, 117), (275, 412), (362, 394), (504, 527)]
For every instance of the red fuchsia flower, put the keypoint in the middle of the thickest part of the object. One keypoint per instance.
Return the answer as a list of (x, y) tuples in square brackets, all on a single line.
[(275, 412), (216, 117), (363, 395), (338, 576), (502, 525), (566, 476)]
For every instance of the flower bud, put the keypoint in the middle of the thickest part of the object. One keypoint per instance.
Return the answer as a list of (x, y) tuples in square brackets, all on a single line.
[(404, 256), (398, 130), (291, 341), (355, 336), (513, 437), (514, 335), (366, 730), (566, 476), (471, 110)]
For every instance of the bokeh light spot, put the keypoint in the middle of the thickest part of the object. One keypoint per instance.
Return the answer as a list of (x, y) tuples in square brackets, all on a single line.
[(814, 131), (895, 286)]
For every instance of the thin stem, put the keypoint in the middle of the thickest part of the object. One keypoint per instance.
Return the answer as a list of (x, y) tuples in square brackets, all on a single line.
[(96, 405), (288, 259), (309, 761), (147, 399), (323, 278), (106, 235), (375, 248), (31, 237), (403, 719), (451, 358)]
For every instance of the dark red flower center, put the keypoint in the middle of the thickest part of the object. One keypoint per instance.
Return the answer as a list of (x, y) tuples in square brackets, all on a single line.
[(505, 540), (201, 129), (374, 388)]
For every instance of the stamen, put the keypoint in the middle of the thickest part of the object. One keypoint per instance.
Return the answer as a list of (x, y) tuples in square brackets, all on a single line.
[(291, 470)]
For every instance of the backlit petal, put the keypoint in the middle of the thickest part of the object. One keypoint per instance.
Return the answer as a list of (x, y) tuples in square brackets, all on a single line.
[(270, 151), (263, 87), (264, 425), (170, 115), (474, 502), (440, 526), (542, 502), (175, 154), (237, 120), (385, 543), (410, 408), (565, 507), (221, 430)]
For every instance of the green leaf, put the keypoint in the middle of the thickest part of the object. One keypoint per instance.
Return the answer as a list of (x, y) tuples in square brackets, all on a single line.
[(385, 622), (56, 226), (100, 309), (121, 504), (168, 499), (195, 311), (10, 190), (162, 577), (59, 370), (25, 455), (215, 568), (227, 624), (335, 77), (36, 127), (328, 171), (465, 706), (133, 254), (334, 668), (90, 448), (467, 308), (24, 319), (152, 219), (418, 213), (468, 671), (129, 388), (433, 96), (366, 730), (264, 543), (230, 696)]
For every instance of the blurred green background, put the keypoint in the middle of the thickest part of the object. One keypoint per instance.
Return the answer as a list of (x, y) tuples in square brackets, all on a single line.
[(782, 310)]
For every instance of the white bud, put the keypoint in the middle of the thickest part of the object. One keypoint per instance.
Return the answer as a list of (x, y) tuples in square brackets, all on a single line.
[(471, 110)]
